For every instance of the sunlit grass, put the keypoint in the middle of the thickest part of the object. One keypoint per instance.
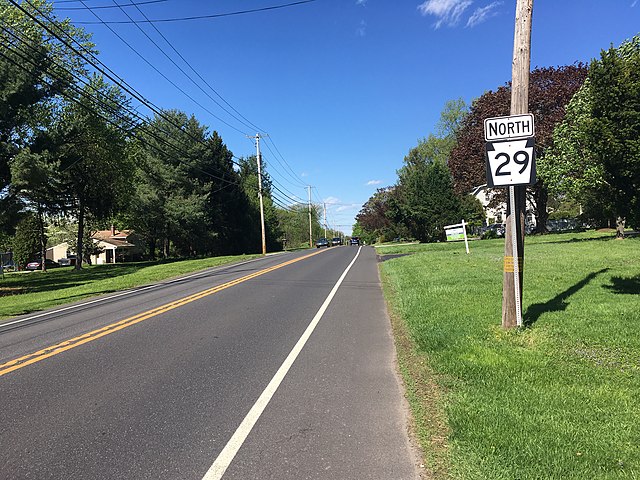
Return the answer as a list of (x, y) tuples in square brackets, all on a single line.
[(26, 292), (558, 399)]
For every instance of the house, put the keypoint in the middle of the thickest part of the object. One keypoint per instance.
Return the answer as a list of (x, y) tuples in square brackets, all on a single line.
[(114, 245), (498, 214), (57, 252)]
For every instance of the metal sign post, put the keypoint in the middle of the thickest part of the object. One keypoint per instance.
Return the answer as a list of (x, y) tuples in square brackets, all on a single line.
[(516, 257), (510, 159)]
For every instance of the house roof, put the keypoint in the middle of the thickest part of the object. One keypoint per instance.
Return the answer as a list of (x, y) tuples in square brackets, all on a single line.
[(117, 238)]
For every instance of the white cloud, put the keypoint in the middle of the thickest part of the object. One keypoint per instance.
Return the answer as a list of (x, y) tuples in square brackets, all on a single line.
[(374, 182), (331, 200), (446, 11), (361, 2), (483, 13), (362, 28), (304, 174), (342, 208)]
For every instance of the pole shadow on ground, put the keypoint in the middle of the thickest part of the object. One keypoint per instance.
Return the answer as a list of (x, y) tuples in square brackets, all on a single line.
[(557, 303)]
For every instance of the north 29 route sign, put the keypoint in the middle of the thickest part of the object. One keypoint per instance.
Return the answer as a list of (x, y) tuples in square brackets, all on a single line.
[(509, 150)]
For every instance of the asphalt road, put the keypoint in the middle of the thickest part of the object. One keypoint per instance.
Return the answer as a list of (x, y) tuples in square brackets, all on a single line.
[(280, 368)]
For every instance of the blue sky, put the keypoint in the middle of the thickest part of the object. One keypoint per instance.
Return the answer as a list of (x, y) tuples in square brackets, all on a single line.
[(344, 88)]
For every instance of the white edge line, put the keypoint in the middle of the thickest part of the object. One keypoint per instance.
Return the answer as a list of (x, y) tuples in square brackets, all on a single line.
[(228, 453), (128, 292)]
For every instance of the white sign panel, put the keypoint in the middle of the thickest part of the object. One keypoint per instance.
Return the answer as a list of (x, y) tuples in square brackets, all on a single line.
[(510, 163), (509, 128), (454, 234)]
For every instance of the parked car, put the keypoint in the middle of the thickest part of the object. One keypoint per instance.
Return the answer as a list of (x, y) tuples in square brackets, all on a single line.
[(67, 262), (9, 266), (494, 230), (322, 242), (355, 241), (37, 264), (336, 241)]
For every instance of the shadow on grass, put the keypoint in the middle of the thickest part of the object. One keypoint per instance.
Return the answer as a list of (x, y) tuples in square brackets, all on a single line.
[(582, 240), (57, 279), (559, 302), (622, 285)]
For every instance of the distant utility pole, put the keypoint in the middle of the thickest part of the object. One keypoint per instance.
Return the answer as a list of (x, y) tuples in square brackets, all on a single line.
[(310, 232), (324, 208), (259, 161), (516, 205)]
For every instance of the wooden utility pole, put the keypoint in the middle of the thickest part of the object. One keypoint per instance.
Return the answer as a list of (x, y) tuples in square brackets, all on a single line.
[(310, 230), (259, 161), (516, 203)]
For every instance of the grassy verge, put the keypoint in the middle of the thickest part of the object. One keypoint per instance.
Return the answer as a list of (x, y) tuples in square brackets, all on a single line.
[(558, 399), (26, 292)]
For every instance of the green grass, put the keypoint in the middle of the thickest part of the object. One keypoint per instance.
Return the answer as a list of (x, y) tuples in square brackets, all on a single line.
[(559, 399), (26, 292)]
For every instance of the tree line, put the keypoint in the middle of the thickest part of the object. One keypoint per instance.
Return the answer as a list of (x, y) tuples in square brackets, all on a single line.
[(75, 157), (587, 153)]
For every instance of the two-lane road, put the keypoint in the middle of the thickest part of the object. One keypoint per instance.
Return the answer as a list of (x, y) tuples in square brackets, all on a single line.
[(278, 368)]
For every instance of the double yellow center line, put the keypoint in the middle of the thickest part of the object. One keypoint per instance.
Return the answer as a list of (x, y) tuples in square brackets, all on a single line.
[(127, 322)]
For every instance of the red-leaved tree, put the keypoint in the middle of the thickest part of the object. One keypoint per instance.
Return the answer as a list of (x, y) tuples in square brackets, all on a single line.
[(550, 90)]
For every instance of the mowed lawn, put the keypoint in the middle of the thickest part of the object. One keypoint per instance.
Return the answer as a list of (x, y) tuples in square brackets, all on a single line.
[(558, 399), (25, 292)]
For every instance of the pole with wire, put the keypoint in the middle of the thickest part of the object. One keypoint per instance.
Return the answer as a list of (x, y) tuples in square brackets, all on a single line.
[(516, 206), (310, 231), (259, 161), (324, 208)]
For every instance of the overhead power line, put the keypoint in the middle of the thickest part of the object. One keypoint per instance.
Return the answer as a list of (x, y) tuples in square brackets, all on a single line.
[(201, 17), (143, 126), (157, 70), (97, 7), (100, 66), (237, 116)]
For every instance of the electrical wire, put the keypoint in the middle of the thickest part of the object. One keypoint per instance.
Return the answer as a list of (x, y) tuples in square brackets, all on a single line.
[(202, 17), (107, 6), (129, 132), (157, 70), (293, 174), (99, 65), (118, 81), (249, 123)]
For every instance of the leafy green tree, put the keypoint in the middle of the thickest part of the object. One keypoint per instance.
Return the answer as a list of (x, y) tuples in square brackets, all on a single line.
[(377, 214), (249, 178), (187, 198), (471, 210), (571, 169), (26, 241), (35, 70), (95, 169), (294, 224), (428, 201), (550, 90), (594, 159), (615, 127)]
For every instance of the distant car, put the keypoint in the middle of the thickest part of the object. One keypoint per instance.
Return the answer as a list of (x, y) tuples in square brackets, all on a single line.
[(322, 242), (9, 266), (67, 262), (493, 230), (355, 241), (37, 264), (336, 241)]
